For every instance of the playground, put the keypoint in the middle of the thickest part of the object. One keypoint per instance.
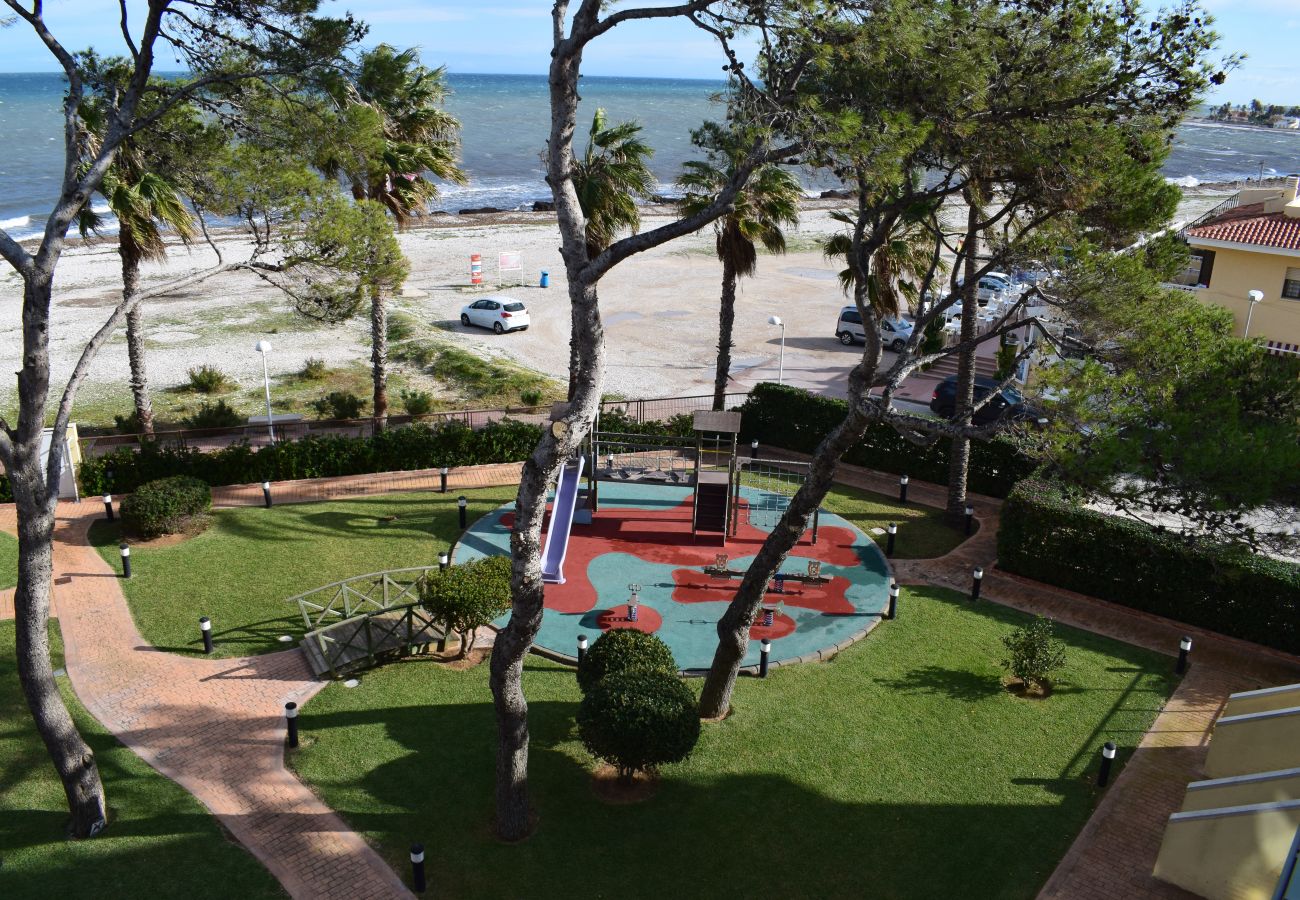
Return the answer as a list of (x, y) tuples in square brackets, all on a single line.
[(641, 536)]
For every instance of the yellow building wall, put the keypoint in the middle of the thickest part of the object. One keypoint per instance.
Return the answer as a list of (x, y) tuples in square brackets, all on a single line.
[(1234, 854), (1236, 272), (1255, 742), (1242, 792), (1263, 700)]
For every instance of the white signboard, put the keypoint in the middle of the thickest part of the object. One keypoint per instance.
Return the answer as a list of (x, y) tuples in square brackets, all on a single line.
[(510, 261)]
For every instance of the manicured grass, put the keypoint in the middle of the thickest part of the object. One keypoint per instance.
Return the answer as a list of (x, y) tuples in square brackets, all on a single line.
[(241, 570), (160, 842), (902, 769), (8, 560), (922, 532)]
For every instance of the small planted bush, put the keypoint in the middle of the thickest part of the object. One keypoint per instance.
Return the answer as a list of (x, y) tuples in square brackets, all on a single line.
[(214, 415), (469, 596), (622, 650), (166, 506), (530, 397), (339, 405), (313, 369), (637, 721), (417, 403), (1035, 653), (208, 380)]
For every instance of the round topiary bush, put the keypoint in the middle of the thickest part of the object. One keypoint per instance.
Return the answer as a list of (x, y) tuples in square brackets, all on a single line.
[(637, 721), (165, 506), (624, 650)]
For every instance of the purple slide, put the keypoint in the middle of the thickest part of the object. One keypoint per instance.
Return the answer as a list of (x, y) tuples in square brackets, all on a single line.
[(557, 536)]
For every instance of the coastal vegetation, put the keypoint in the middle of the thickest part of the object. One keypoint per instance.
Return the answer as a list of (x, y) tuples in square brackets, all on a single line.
[(1255, 113)]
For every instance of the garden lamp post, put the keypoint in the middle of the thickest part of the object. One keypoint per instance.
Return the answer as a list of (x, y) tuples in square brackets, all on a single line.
[(1252, 298), (776, 320), (264, 347)]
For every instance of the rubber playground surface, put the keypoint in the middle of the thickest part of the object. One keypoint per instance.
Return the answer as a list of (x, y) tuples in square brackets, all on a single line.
[(642, 535)]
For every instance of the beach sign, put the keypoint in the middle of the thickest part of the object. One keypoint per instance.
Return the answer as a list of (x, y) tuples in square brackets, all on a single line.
[(510, 261), (476, 268)]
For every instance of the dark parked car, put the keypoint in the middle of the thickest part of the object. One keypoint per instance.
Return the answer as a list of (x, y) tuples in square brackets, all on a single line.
[(1008, 404)]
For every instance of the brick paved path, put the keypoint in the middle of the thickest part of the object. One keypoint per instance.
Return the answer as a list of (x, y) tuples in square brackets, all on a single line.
[(214, 726)]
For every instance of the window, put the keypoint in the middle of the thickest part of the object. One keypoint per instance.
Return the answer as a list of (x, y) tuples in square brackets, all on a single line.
[(1198, 271), (853, 317), (1291, 286)]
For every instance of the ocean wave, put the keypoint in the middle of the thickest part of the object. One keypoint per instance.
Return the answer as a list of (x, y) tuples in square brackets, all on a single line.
[(17, 222), (1187, 181)]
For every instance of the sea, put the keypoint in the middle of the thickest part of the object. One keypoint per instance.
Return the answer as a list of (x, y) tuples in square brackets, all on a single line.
[(504, 126)]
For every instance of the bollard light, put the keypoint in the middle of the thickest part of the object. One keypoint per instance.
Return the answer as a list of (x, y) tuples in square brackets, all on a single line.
[(970, 518), (1107, 759), (417, 868), (444, 560), (582, 648), (976, 581), (463, 504), (765, 650), (205, 626), (442, 480), (266, 493), (889, 541), (753, 448), (126, 559), (291, 716), (610, 459), (902, 488), (108, 506), (892, 612), (1184, 648)]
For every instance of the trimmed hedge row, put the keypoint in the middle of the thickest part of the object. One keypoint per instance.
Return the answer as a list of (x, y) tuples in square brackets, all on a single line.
[(165, 506), (402, 449), (797, 420), (1047, 537)]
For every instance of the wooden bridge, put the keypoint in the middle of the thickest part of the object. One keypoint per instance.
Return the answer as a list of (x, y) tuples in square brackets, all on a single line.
[(362, 620)]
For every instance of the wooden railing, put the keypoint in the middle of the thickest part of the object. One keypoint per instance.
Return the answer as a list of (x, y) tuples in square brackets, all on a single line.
[(360, 595)]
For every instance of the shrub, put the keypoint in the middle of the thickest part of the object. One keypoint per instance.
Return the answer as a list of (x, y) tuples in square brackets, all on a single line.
[(400, 327), (208, 380), (530, 397), (420, 446), (1046, 536), (417, 403), (468, 596), (797, 420), (165, 506), (637, 721), (214, 415), (313, 369), (622, 650), (339, 405), (128, 424), (1035, 653)]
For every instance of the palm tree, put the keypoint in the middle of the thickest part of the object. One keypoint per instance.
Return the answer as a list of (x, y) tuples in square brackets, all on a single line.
[(144, 203), (418, 142), (898, 266), (769, 201), (611, 176)]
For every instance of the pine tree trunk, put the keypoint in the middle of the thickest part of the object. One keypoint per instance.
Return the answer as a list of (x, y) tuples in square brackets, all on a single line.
[(379, 357), (726, 322), (959, 453), (135, 347), (72, 758)]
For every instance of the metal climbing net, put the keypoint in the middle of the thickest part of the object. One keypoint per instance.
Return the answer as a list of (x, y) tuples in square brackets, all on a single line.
[(772, 484)]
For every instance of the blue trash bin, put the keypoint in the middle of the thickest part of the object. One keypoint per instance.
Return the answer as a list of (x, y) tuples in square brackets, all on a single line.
[(546, 278)]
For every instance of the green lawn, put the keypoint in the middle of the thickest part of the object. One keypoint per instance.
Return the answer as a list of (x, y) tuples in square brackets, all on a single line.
[(160, 841), (901, 769), (241, 570), (8, 560)]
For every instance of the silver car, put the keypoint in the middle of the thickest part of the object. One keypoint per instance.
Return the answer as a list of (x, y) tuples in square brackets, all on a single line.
[(501, 314)]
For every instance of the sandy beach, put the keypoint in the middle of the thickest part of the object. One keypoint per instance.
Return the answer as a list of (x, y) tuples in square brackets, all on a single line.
[(660, 310)]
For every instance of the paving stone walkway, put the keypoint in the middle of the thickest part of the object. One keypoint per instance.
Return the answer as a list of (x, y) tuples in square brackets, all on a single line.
[(216, 727)]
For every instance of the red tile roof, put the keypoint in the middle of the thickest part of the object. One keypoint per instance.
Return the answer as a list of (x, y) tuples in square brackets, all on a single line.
[(1251, 225)]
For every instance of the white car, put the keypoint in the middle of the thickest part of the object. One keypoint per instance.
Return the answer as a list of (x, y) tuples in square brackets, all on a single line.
[(501, 314)]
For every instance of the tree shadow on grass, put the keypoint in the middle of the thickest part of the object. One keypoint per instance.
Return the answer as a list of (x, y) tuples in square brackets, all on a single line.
[(957, 684), (704, 834)]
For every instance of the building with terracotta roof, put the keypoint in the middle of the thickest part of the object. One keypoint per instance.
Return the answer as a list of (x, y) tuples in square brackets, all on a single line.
[(1246, 258)]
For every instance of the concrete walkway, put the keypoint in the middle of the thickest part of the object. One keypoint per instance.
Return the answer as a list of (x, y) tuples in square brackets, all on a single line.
[(216, 726)]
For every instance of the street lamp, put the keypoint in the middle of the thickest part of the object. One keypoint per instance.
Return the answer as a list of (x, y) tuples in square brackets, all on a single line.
[(264, 347), (1253, 297), (776, 320)]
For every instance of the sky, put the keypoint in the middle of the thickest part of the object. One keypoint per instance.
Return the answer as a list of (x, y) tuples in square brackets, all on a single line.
[(513, 37)]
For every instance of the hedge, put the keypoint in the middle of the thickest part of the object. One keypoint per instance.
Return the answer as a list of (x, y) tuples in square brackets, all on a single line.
[(637, 721), (165, 506), (796, 420), (417, 447), (622, 650), (1045, 536)]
